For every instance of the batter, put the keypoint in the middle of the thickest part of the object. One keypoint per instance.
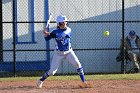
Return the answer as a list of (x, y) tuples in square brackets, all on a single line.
[(63, 50)]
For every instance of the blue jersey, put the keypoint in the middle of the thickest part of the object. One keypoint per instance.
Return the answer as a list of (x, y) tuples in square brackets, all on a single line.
[(62, 37)]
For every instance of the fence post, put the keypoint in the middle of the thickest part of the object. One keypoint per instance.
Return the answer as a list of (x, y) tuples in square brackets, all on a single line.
[(14, 38), (47, 43), (1, 33), (123, 23)]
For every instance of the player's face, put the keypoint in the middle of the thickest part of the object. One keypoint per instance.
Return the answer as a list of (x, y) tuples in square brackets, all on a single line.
[(62, 24)]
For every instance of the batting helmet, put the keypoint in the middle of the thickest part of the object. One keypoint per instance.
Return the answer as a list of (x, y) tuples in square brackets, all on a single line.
[(61, 18)]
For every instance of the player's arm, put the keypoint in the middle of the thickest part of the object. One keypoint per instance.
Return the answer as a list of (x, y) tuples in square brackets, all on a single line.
[(46, 32), (68, 35), (49, 35)]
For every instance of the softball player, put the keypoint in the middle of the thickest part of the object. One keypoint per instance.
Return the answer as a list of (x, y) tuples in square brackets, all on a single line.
[(63, 49)]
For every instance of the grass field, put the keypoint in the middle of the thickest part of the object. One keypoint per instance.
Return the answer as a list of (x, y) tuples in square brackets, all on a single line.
[(76, 77)]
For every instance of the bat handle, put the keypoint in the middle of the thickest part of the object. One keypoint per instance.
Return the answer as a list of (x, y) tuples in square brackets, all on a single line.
[(45, 29), (47, 26)]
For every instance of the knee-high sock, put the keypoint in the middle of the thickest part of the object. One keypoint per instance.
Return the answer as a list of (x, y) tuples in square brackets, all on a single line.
[(81, 74), (44, 76)]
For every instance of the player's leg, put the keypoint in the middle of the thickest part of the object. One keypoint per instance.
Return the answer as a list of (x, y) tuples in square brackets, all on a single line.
[(72, 58), (56, 61), (134, 58), (136, 64)]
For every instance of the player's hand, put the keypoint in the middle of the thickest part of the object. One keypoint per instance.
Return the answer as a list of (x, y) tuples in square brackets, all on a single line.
[(46, 33)]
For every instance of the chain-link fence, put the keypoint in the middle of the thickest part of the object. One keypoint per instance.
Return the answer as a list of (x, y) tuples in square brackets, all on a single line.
[(25, 51)]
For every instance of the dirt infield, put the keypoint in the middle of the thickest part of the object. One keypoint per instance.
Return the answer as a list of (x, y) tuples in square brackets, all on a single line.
[(100, 86)]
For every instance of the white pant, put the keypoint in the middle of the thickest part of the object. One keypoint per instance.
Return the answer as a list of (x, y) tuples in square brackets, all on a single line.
[(59, 56)]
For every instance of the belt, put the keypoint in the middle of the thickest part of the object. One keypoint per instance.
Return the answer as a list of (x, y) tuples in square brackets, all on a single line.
[(63, 50)]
